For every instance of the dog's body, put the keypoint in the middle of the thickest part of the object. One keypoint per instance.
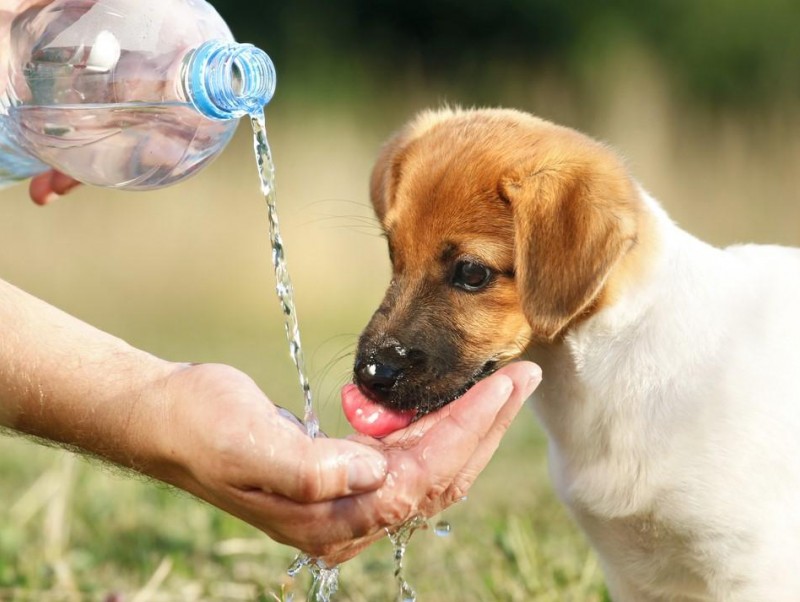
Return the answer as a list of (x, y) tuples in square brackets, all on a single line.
[(674, 425), (671, 391)]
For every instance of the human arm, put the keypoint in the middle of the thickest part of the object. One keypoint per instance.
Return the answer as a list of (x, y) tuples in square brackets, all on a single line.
[(209, 430), (68, 382)]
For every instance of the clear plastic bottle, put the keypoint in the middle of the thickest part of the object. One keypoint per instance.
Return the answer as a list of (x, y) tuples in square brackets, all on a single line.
[(133, 94)]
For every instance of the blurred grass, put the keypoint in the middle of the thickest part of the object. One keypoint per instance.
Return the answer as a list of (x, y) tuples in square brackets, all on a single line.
[(185, 274)]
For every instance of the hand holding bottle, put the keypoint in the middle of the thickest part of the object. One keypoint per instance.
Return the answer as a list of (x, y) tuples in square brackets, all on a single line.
[(47, 187)]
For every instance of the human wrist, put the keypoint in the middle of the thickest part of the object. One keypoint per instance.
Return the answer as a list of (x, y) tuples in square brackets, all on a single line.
[(161, 442)]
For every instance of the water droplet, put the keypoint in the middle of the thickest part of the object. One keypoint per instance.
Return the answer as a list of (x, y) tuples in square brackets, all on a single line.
[(443, 528)]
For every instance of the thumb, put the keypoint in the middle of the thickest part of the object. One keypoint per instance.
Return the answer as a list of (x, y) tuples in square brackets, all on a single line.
[(315, 470)]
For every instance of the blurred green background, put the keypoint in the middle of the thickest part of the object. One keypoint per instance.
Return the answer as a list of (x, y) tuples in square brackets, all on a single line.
[(703, 100)]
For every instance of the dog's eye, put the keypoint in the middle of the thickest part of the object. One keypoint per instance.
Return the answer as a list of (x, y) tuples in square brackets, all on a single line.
[(471, 276)]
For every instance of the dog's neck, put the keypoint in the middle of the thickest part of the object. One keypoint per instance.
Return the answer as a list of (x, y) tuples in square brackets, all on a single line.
[(608, 373), (666, 266)]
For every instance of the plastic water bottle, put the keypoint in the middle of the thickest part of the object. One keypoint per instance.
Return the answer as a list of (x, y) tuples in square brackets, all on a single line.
[(134, 94)]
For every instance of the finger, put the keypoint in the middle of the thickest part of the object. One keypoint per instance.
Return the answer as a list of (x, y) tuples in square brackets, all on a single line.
[(41, 191), (313, 470), (526, 378), (447, 447), (48, 187), (322, 529), (473, 397), (61, 183), (414, 432)]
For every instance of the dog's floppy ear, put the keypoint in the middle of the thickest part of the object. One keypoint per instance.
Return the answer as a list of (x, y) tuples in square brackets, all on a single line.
[(386, 172), (573, 222), (388, 166)]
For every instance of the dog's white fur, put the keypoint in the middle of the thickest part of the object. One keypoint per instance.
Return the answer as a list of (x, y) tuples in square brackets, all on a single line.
[(673, 418)]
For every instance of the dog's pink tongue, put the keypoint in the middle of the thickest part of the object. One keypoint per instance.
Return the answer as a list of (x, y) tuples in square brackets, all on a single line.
[(368, 417)]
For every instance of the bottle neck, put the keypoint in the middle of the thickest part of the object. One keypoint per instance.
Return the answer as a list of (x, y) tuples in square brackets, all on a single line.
[(228, 81)]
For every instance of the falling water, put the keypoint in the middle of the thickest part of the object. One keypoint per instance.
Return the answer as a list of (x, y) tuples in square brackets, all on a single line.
[(266, 172), (399, 538), (324, 580)]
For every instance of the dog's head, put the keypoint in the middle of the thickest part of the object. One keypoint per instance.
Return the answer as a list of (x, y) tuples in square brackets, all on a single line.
[(503, 230)]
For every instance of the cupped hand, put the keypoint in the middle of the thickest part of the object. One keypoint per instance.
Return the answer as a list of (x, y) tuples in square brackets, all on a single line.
[(222, 440), (433, 462), (225, 442)]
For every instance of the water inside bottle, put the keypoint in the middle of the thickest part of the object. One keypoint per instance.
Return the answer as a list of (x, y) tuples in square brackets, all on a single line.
[(135, 145)]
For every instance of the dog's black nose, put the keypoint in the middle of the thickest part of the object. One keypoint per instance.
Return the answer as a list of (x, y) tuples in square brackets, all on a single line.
[(377, 379), (377, 374)]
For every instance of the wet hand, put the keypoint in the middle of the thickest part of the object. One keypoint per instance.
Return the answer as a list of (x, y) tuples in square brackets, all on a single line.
[(222, 440), (431, 464)]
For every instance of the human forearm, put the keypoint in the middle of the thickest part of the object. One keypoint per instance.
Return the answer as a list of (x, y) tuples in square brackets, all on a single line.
[(65, 381)]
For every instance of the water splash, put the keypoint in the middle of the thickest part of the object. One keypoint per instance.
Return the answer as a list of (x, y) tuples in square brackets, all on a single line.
[(324, 580), (399, 537)]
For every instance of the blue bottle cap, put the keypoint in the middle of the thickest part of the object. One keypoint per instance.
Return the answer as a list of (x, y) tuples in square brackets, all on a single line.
[(228, 81)]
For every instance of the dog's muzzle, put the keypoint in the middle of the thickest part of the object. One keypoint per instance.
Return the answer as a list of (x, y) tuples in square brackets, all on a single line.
[(379, 371)]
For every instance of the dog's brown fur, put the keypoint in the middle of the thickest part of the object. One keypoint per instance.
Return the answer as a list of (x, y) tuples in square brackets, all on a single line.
[(550, 211)]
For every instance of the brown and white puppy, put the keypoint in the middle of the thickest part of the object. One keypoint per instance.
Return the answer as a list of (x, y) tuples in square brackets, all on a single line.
[(670, 395), (503, 230)]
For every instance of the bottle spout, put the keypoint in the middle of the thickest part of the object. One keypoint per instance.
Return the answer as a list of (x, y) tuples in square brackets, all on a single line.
[(228, 81)]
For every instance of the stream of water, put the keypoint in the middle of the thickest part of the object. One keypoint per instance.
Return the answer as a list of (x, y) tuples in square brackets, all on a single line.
[(324, 580)]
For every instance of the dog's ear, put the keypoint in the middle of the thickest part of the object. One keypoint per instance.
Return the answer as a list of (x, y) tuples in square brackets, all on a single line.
[(388, 166), (573, 223), (386, 172)]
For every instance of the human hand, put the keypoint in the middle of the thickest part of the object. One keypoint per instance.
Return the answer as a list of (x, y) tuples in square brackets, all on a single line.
[(222, 440), (433, 462), (209, 430), (49, 186), (227, 444)]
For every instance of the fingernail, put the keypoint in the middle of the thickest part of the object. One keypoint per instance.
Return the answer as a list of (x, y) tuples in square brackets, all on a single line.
[(51, 198), (366, 472), (506, 388), (534, 378)]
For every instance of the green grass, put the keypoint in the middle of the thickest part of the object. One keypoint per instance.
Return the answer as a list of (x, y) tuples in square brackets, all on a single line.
[(74, 530)]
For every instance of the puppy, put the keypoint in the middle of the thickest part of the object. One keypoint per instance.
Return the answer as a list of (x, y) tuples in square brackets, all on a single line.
[(671, 392)]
